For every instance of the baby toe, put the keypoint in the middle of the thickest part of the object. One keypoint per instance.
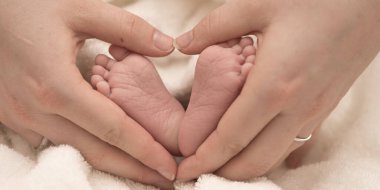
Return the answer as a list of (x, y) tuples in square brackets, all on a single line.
[(95, 79), (110, 63), (245, 69), (118, 53), (241, 46), (237, 49), (99, 70), (246, 41), (104, 88), (250, 59), (102, 60), (248, 51)]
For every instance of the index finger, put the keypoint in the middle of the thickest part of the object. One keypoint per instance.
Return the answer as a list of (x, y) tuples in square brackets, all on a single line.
[(75, 100), (117, 26)]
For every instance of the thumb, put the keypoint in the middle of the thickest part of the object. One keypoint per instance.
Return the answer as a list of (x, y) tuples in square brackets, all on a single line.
[(117, 26), (231, 20)]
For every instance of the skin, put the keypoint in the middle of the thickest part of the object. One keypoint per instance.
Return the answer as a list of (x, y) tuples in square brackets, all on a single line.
[(43, 94), (309, 55)]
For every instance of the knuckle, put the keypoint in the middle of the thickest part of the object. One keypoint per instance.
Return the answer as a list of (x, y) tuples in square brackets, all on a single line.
[(112, 136), (15, 108), (257, 168), (140, 177), (76, 13), (314, 109), (253, 5), (97, 160), (233, 148), (278, 93), (146, 152), (49, 96), (128, 25), (20, 112), (211, 22), (230, 145), (320, 106), (22, 115)]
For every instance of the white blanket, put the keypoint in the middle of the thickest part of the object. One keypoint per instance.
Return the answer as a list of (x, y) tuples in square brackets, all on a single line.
[(346, 155)]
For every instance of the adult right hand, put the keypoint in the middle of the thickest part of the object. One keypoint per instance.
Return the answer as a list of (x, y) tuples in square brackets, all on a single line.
[(309, 54), (43, 94)]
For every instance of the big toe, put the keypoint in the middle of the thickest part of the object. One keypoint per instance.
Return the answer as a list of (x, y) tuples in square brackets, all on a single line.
[(100, 71), (104, 88)]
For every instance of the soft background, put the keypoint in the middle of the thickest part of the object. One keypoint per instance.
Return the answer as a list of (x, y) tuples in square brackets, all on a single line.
[(346, 154)]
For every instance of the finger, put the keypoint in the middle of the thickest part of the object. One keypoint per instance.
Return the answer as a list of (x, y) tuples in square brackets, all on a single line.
[(117, 26), (269, 149), (264, 151), (232, 20), (75, 100), (98, 153), (298, 151)]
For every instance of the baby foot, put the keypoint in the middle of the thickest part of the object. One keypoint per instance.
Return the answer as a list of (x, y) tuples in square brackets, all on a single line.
[(136, 87), (220, 74)]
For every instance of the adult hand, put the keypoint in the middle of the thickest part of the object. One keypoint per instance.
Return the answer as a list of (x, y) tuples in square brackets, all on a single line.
[(43, 94), (309, 54)]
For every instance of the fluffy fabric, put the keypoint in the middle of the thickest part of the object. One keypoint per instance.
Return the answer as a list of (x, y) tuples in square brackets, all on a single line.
[(346, 155)]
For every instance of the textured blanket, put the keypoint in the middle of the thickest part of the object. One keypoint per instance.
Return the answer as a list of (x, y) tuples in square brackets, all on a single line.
[(346, 154)]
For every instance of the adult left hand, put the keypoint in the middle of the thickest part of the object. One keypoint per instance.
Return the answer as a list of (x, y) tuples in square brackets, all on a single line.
[(309, 55)]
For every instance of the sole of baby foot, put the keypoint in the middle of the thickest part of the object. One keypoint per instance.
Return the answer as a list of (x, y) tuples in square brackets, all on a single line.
[(220, 74), (137, 88)]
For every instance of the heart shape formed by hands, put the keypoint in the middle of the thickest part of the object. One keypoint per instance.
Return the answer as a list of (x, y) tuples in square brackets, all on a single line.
[(133, 83)]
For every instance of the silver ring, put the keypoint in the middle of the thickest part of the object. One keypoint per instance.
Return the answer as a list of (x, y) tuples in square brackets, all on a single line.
[(301, 139)]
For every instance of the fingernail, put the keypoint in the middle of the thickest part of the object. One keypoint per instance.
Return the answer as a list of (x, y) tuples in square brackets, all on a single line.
[(163, 41), (168, 175), (184, 41)]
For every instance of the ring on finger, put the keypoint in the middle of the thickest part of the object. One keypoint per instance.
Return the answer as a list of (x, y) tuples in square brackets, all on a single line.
[(303, 139)]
